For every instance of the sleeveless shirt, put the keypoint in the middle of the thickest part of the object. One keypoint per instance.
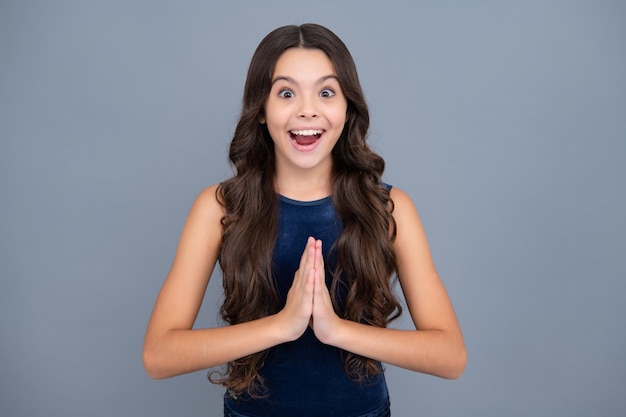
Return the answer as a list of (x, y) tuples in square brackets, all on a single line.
[(306, 377)]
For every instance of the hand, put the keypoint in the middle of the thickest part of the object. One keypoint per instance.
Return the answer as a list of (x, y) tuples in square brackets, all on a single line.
[(325, 322), (299, 306)]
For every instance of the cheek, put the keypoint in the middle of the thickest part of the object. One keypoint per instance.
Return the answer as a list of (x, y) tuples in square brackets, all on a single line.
[(340, 117), (341, 113), (276, 125), (276, 115)]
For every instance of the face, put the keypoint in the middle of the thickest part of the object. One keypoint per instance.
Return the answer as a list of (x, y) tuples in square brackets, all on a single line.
[(305, 112)]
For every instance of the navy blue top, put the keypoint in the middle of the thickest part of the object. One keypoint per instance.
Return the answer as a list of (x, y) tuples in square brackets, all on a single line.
[(306, 377)]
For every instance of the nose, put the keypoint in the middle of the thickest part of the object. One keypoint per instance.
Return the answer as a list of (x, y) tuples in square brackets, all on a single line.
[(308, 108)]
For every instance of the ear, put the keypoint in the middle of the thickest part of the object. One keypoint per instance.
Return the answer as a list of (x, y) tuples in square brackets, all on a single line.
[(262, 118)]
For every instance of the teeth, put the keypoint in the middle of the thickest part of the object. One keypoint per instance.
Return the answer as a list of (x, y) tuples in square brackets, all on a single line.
[(306, 132)]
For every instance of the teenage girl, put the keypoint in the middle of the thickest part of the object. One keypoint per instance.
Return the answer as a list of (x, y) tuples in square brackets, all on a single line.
[(308, 239)]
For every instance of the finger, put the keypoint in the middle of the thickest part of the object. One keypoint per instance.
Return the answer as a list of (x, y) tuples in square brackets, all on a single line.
[(320, 275), (307, 258), (319, 256)]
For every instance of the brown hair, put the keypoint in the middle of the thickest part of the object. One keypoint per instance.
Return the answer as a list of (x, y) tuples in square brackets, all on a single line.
[(365, 257)]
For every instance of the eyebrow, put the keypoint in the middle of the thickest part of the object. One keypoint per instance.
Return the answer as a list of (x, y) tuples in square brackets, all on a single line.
[(292, 81)]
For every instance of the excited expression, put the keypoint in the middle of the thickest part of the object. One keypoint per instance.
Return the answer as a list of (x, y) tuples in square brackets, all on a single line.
[(305, 111)]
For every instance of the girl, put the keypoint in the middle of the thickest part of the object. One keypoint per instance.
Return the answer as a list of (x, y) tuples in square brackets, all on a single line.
[(308, 239)]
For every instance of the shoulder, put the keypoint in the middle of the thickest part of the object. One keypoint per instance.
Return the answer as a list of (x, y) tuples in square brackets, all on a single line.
[(408, 223), (207, 207), (209, 198), (402, 203), (411, 244)]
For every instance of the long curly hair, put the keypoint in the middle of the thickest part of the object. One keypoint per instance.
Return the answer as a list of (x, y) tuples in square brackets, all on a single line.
[(364, 255)]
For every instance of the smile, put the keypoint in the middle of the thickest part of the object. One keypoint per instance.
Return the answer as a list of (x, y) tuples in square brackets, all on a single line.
[(306, 137), (309, 132)]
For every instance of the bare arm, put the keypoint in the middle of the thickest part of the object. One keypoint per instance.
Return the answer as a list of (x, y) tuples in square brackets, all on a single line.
[(436, 346), (171, 346)]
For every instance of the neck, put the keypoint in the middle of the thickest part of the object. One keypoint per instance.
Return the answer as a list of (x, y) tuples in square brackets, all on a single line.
[(303, 186)]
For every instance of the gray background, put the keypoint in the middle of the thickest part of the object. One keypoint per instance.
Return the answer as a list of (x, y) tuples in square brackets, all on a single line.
[(505, 121)]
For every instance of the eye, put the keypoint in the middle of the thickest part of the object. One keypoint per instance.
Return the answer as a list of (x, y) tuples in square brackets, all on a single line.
[(327, 92), (285, 93)]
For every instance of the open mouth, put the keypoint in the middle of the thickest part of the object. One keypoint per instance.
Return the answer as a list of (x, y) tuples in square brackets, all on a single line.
[(306, 137)]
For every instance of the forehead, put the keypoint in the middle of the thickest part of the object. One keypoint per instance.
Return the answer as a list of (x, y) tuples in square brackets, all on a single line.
[(302, 63)]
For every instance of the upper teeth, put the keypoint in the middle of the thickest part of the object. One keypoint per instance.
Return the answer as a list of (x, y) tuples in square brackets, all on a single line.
[(307, 132)]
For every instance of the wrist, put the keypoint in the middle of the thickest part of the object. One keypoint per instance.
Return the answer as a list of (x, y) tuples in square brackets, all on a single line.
[(283, 328), (335, 335)]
